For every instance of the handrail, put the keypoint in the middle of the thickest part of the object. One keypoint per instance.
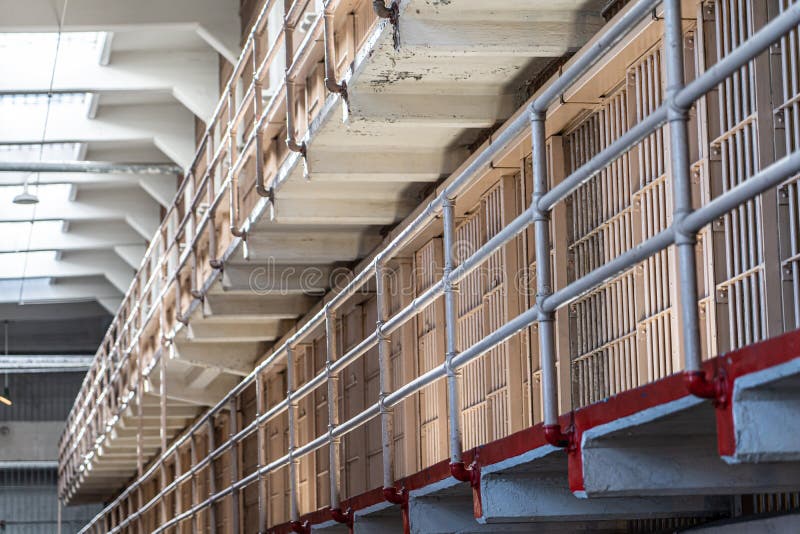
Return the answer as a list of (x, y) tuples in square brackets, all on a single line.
[(686, 223)]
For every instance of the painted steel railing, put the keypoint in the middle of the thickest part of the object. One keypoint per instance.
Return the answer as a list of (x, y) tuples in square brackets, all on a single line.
[(685, 225)]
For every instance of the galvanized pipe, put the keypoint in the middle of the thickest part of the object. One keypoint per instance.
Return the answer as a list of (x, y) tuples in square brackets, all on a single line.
[(330, 52), (541, 227), (334, 451), (95, 167), (453, 401), (258, 109), (681, 185), (291, 409), (291, 139), (211, 476), (385, 370), (234, 465)]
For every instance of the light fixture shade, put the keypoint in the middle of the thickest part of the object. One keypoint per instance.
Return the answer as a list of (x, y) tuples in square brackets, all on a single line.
[(26, 198)]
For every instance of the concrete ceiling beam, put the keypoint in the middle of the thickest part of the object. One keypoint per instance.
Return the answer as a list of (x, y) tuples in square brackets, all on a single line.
[(76, 264), (441, 110), (81, 236), (282, 244), (374, 166), (170, 127), (216, 21), (234, 358), (66, 290), (271, 278), (133, 206), (200, 331), (255, 308), (550, 34), (190, 76), (206, 396), (328, 211)]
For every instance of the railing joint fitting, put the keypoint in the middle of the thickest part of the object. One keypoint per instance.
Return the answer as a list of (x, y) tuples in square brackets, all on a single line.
[(383, 409), (564, 439), (717, 388), (448, 363), (536, 115), (379, 332)]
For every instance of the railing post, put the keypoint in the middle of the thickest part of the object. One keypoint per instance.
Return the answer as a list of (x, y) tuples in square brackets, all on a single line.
[(258, 110), (261, 443), (212, 480), (291, 412), (450, 332), (541, 227), (334, 451), (193, 460), (457, 467), (677, 118), (233, 428), (163, 426), (385, 378)]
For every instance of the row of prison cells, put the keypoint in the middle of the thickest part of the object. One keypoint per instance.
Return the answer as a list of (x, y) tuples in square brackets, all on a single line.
[(615, 337)]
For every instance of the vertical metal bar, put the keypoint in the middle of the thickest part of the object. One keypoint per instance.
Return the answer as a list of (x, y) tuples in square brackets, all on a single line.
[(262, 455), (541, 228), (234, 466), (682, 203), (193, 460), (291, 407), (453, 375), (258, 109), (212, 481), (163, 420), (334, 451), (385, 375), (139, 413), (178, 487)]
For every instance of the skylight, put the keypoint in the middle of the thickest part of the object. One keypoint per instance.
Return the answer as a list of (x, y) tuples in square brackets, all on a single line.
[(28, 58)]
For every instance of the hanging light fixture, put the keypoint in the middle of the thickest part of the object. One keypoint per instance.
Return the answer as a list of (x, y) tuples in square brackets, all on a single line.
[(5, 398), (26, 198)]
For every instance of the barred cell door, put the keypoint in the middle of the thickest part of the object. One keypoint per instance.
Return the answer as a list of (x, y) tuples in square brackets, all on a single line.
[(605, 355), (428, 263), (492, 386)]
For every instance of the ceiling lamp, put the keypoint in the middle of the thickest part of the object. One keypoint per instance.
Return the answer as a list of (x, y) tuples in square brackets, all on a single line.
[(25, 198)]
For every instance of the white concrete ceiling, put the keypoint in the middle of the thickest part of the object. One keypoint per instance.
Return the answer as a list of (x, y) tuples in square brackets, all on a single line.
[(124, 82)]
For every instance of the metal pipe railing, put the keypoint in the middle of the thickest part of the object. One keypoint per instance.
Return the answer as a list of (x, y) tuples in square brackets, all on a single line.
[(331, 84), (685, 225)]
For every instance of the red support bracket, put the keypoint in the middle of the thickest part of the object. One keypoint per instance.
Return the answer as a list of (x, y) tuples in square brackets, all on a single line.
[(399, 497), (299, 527), (716, 389), (471, 474)]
